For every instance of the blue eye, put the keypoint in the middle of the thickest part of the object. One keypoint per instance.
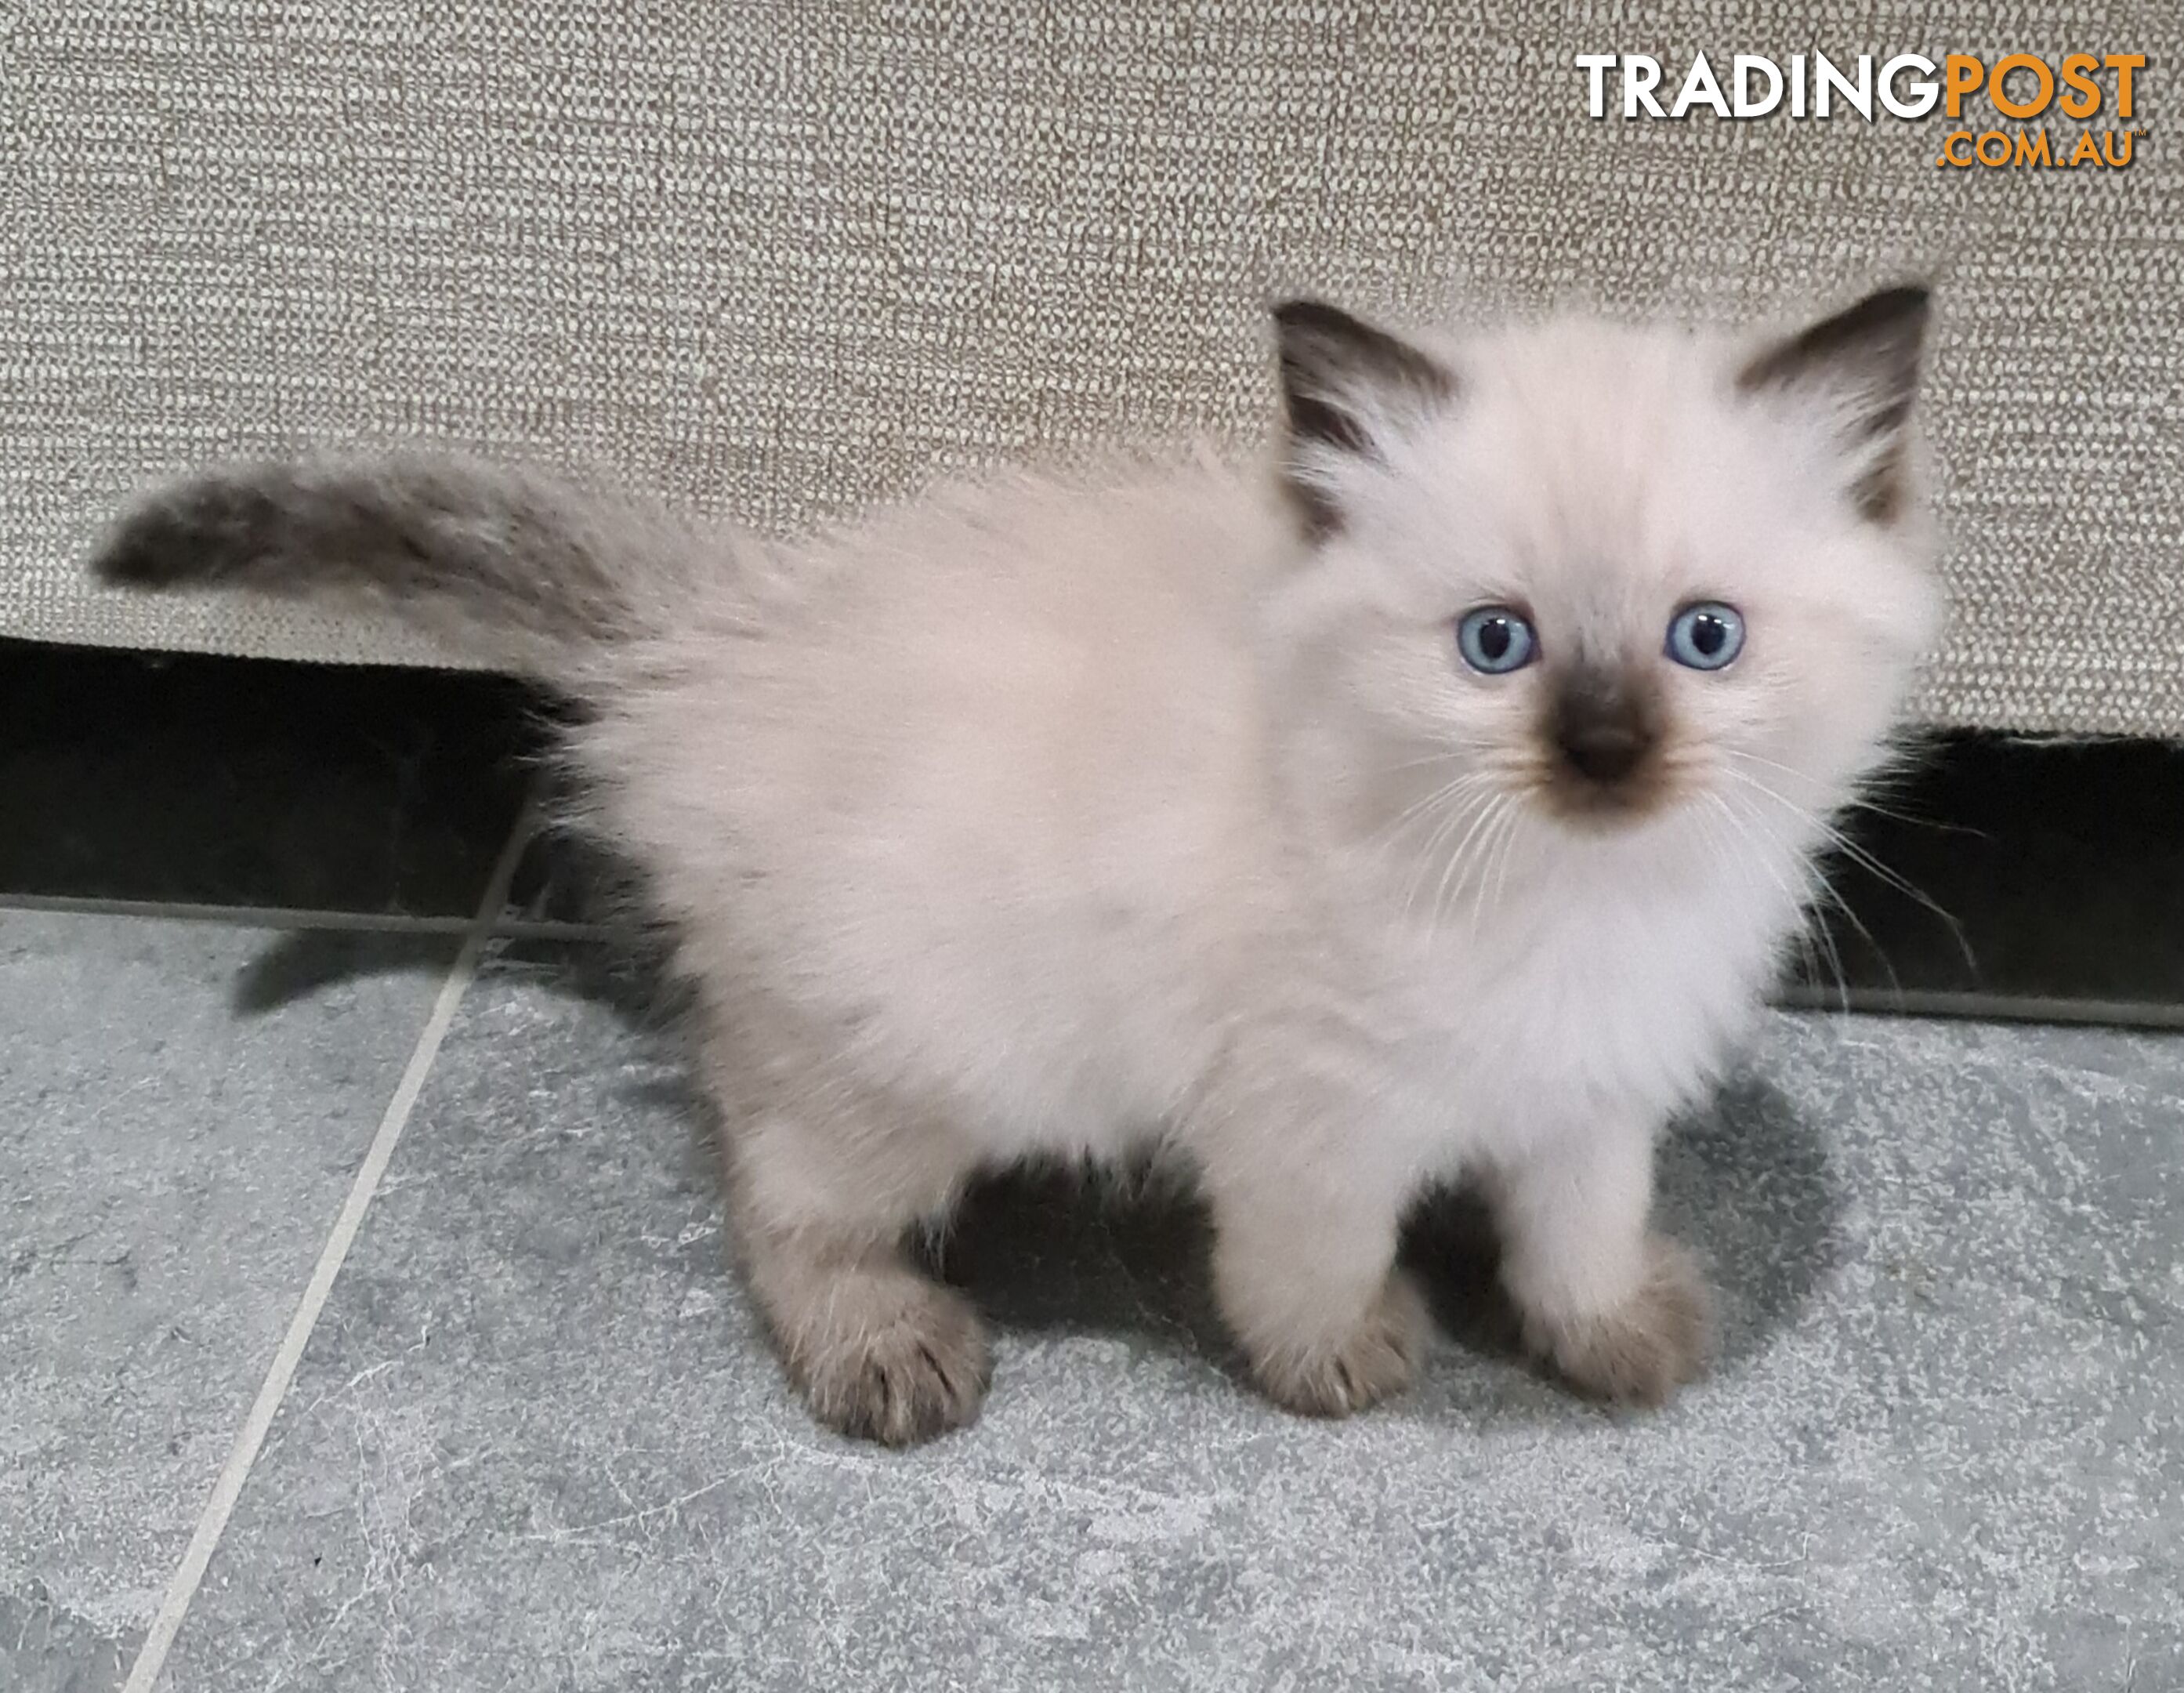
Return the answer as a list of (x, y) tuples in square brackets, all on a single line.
[(1706, 636), (1494, 640)]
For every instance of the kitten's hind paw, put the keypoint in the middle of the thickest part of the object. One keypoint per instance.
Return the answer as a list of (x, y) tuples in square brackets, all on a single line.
[(1374, 1361), (906, 1360), (1642, 1350)]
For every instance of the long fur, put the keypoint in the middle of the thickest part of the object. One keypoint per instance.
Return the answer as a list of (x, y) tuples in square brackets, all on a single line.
[(528, 570), (1067, 816)]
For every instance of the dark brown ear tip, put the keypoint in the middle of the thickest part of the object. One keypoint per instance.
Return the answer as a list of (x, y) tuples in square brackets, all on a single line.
[(1900, 312), (1304, 313), (1904, 300)]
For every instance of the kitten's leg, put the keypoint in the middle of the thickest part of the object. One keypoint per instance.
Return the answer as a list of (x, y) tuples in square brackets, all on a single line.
[(824, 1181), (1304, 1255), (1622, 1312)]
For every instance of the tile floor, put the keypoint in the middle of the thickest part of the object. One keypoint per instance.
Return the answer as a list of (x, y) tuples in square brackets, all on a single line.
[(366, 1326), (532, 1440)]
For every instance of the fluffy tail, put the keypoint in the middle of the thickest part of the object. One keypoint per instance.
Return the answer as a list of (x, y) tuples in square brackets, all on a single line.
[(515, 567)]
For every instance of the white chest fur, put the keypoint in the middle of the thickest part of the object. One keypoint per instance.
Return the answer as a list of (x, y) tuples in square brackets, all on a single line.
[(1573, 998)]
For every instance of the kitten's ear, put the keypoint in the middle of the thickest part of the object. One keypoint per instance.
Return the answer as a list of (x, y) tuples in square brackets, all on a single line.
[(1346, 388), (1863, 361)]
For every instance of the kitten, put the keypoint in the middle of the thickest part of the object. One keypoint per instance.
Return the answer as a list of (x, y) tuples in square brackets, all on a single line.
[(1437, 795)]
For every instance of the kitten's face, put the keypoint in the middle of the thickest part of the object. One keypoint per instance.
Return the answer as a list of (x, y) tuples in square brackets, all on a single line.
[(1597, 579)]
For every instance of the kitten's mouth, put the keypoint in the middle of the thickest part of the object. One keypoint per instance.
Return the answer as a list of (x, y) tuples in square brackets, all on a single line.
[(1606, 794), (1595, 805)]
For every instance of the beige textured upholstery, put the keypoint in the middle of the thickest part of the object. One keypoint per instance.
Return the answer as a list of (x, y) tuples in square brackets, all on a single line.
[(782, 260)]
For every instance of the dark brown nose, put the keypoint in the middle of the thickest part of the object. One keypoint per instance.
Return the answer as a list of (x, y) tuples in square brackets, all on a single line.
[(1602, 752), (1603, 725)]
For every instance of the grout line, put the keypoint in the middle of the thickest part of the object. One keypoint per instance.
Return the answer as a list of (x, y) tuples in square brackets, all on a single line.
[(152, 1657), (290, 917)]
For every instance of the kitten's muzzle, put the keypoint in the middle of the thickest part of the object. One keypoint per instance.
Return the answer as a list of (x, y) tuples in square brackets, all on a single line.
[(1605, 735)]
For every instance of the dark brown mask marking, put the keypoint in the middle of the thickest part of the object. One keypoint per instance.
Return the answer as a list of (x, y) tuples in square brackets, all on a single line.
[(1604, 724)]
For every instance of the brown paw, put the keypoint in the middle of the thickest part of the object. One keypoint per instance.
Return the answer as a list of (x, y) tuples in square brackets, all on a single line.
[(907, 1359), (1641, 1351), (1375, 1360)]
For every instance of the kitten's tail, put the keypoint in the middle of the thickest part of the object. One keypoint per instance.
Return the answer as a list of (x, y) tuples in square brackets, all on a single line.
[(517, 568)]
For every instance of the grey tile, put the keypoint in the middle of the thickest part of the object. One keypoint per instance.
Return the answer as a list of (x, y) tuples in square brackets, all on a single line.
[(536, 1443), (181, 1111)]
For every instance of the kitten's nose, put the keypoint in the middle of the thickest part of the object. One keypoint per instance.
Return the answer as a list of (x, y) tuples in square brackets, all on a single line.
[(1602, 752), (1604, 727)]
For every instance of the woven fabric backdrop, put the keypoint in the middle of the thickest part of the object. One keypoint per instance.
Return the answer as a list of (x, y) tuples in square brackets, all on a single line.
[(784, 260)]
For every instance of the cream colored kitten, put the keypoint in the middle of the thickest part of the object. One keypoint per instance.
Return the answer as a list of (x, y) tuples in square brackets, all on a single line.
[(1437, 799)]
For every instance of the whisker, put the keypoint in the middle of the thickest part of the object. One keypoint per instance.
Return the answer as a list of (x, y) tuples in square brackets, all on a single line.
[(1862, 802), (1453, 819), (1456, 784), (1815, 931), (1442, 796), (1726, 856), (1499, 840), (1839, 841), (1508, 855), (1441, 756), (1451, 874), (1814, 936)]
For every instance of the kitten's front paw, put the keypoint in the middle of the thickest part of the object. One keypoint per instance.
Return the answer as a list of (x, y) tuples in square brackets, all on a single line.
[(1373, 1361), (1642, 1350), (906, 1360)]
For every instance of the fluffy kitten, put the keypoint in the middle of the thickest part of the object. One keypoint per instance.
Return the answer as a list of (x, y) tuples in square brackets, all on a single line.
[(1437, 796)]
